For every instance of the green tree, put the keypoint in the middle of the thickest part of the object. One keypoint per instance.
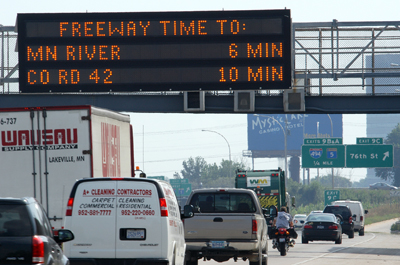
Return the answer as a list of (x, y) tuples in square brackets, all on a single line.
[(203, 175), (392, 174), (339, 181), (192, 170)]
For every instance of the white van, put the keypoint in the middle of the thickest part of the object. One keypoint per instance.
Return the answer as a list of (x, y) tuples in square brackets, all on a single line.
[(123, 221), (358, 214)]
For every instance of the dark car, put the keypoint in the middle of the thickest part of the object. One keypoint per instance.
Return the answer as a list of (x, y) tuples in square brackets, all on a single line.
[(26, 236), (382, 186), (344, 216), (321, 226)]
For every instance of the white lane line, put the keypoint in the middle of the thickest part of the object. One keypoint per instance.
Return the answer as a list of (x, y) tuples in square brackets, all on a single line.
[(340, 249)]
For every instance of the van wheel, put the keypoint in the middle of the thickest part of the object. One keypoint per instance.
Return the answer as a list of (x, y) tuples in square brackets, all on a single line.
[(361, 232)]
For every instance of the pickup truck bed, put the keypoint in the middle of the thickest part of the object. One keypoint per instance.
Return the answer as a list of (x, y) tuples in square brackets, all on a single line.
[(228, 223)]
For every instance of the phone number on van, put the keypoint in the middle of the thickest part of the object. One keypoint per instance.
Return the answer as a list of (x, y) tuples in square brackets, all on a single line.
[(137, 212), (94, 212)]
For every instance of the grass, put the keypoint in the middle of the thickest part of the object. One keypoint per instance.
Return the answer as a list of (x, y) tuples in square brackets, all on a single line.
[(382, 213)]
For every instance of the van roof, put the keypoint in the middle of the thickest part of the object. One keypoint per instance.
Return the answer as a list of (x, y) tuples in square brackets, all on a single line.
[(94, 180), (346, 201)]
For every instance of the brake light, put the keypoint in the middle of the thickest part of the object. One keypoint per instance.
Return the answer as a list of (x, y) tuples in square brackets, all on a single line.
[(350, 220), (37, 250), (361, 218), (254, 227), (307, 226), (163, 207), (334, 227), (283, 231), (69, 207)]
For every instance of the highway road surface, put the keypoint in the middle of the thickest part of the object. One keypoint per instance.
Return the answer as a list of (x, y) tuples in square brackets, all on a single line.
[(378, 246)]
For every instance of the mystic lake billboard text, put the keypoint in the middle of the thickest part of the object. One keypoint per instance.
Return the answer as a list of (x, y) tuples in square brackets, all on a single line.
[(265, 133)]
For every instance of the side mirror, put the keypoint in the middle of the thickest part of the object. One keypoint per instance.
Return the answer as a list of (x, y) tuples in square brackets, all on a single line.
[(265, 212), (273, 212), (63, 235), (188, 212), (365, 211)]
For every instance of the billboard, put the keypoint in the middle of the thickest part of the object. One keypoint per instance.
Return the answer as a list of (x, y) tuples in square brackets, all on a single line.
[(265, 133)]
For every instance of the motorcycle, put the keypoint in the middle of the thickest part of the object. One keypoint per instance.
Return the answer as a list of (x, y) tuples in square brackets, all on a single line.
[(282, 241)]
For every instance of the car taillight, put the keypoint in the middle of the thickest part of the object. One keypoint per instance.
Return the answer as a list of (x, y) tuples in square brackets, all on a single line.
[(69, 207), (254, 227), (283, 231), (307, 226), (361, 218), (163, 207), (334, 227), (37, 250), (350, 220)]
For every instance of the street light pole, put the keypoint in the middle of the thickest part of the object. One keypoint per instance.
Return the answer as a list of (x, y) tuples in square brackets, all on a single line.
[(330, 119), (285, 140), (229, 147)]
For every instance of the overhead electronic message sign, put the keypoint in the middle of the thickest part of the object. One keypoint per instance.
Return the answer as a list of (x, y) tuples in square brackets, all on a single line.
[(154, 51)]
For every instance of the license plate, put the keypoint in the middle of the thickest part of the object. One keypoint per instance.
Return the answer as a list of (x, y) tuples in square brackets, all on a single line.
[(135, 233), (282, 239), (218, 244), (320, 227)]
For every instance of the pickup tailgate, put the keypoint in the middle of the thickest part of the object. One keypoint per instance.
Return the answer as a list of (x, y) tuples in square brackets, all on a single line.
[(219, 227)]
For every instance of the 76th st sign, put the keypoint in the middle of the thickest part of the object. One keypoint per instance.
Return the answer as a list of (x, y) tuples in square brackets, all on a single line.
[(369, 156)]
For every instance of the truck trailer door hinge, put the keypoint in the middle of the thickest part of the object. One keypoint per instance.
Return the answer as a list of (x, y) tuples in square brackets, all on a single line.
[(87, 152), (85, 118)]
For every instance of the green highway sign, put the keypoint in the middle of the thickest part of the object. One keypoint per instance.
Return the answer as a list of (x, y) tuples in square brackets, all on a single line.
[(369, 156), (331, 196), (317, 141), (323, 156), (374, 140), (182, 189), (157, 177), (178, 181)]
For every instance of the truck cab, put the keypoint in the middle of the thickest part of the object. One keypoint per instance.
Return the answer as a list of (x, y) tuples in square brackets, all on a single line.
[(269, 185)]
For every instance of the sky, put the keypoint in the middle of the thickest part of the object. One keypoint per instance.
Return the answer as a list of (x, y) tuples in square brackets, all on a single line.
[(164, 141)]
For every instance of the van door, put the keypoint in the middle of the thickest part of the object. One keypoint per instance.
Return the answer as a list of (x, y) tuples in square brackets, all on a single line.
[(139, 222), (93, 223)]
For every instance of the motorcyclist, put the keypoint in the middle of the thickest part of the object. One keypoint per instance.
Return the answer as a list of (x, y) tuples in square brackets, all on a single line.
[(285, 220)]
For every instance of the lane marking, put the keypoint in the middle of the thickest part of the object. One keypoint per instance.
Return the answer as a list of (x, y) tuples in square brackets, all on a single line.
[(340, 249)]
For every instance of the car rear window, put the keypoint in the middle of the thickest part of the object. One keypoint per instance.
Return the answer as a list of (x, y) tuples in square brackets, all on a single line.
[(223, 203), (342, 210), (321, 218), (14, 221)]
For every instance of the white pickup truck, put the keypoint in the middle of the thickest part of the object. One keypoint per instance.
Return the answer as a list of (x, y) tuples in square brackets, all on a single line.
[(228, 223)]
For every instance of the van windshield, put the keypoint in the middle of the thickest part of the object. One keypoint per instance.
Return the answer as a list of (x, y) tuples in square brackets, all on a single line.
[(223, 203), (14, 221)]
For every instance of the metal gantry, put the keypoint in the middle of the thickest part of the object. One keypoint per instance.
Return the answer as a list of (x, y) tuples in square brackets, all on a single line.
[(329, 58)]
